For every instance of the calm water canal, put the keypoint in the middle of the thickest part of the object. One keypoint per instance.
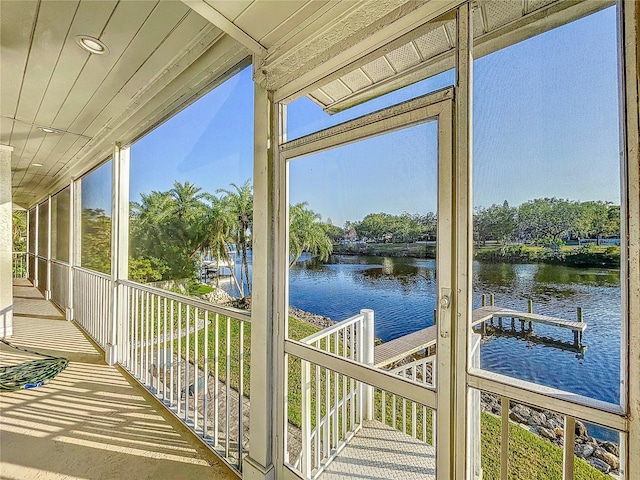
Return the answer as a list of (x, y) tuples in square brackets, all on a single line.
[(401, 291)]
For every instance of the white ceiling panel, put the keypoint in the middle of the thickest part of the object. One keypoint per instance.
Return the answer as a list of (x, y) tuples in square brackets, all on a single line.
[(16, 25), (156, 28), (264, 16), (230, 8), (126, 20), (54, 20), (294, 22), (90, 19)]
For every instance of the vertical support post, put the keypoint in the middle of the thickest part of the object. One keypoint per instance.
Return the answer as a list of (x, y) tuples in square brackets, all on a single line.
[(629, 60), (269, 291), (504, 439), (530, 307), (47, 292), (72, 241), (484, 299), (368, 345), (36, 283), (435, 316), (569, 442), (492, 300), (119, 253), (461, 442), (306, 419), (6, 244)]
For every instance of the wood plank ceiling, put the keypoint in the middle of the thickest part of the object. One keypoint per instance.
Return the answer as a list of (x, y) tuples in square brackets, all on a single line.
[(48, 81)]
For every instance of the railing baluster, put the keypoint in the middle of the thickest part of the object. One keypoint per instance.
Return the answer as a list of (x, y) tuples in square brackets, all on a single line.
[(240, 392), (335, 395), (352, 382), (216, 380), (228, 388), (196, 369), (504, 443), (164, 350), (158, 341), (147, 362), (205, 362), (413, 408), (318, 453), (180, 360), (173, 362), (185, 389), (568, 463)]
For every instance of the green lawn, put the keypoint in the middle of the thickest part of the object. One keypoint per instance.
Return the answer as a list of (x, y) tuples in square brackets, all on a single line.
[(530, 456)]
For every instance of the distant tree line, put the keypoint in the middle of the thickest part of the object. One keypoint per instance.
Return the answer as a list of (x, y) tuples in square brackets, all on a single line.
[(542, 221), (546, 222)]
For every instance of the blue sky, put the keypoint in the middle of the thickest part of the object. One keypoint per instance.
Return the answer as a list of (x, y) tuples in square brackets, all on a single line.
[(545, 124)]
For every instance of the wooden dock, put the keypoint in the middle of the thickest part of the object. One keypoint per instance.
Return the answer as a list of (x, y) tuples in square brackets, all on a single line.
[(401, 347), (395, 350)]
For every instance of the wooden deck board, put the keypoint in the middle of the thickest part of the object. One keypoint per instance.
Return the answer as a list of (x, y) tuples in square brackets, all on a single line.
[(399, 348)]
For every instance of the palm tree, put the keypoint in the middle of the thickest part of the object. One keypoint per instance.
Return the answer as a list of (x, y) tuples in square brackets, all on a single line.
[(307, 234), (219, 223), (240, 203)]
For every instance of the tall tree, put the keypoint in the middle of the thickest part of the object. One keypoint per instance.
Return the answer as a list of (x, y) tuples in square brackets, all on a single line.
[(307, 234), (240, 202)]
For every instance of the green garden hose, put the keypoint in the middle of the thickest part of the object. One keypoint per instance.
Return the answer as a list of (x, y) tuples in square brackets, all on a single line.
[(32, 373)]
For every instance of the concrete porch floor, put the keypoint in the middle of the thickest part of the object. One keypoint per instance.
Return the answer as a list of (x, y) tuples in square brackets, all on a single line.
[(91, 421)]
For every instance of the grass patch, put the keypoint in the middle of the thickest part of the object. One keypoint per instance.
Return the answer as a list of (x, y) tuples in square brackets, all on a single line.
[(530, 457)]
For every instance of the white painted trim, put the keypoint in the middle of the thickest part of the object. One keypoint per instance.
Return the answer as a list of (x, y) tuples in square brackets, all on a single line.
[(47, 292), (463, 243), (227, 26), (566, 403), (265, 379), (412, 112), (629, 34)]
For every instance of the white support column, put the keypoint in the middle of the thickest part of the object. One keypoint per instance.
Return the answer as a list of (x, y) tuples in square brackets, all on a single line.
[(259, 464), (35, 249), (629, 24), (368, 343), (6, 244), (72, 262), (462, 444), (47, 292), (119, 250)]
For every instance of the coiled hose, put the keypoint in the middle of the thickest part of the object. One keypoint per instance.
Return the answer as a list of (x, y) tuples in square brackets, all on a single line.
[(32, 373)]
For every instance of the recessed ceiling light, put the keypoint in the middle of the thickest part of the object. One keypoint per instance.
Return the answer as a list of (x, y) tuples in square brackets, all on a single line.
[(36, 164), (91, 44), (47, 130)]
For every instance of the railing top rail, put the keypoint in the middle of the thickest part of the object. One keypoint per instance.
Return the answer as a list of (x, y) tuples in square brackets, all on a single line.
[(420, 361), (331, 329), (228, 311), (92, 272), (19, 253)]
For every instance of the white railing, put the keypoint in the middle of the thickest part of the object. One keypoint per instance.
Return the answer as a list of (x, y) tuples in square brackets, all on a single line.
[(60, 284), (92, 292), (20, 267), (42, 273), (404, 415), (31, 266), (192, 356), (333, 405)]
